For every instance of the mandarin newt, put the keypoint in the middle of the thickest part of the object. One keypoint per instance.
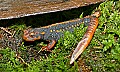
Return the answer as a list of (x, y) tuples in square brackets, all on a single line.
[(54, 32)]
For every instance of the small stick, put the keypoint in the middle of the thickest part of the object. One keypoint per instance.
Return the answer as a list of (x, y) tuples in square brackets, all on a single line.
[(21, 59), (6, 30), (39, 50)]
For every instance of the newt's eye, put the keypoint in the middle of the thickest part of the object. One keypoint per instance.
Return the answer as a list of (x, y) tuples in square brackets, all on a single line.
[(32, 34)]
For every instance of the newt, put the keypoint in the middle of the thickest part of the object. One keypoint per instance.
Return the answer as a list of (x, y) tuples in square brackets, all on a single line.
[(54, 32)]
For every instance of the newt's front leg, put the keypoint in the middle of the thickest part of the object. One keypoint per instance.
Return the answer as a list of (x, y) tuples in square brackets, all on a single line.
[(49, 46)]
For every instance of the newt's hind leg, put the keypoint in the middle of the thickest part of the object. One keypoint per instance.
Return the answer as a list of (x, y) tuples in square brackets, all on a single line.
[(49, 46)]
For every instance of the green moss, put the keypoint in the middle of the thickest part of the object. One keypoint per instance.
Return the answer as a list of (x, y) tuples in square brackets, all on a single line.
[(102, 54)]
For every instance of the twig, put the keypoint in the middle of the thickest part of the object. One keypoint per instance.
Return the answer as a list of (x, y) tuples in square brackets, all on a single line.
[(6, 30), (21, 59)]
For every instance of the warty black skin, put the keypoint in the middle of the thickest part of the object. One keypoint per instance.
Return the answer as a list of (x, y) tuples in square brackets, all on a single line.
[(52, 33)]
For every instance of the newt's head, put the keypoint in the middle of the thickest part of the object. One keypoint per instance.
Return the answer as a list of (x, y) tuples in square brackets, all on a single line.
[(31, 35)]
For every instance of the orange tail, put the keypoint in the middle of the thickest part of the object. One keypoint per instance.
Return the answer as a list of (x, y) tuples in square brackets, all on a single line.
[(87, 37)]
